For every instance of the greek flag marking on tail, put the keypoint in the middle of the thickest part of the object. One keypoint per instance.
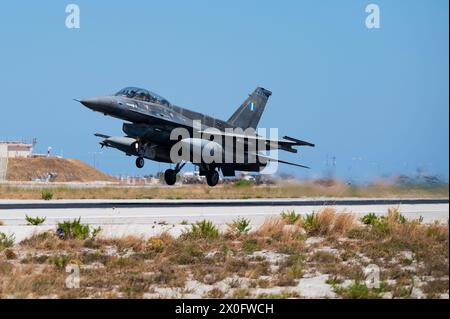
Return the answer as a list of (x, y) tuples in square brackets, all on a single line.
[(250, 111)]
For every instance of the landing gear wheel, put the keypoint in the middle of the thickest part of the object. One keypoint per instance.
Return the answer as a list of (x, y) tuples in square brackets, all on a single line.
[(140, 162), (170, 176), (212, 178)]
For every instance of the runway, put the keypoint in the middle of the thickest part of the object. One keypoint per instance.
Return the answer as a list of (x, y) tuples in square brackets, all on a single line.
[(149, 217), (90, 204)]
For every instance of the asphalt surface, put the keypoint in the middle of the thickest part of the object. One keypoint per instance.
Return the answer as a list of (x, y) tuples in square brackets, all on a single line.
[(90, 204)]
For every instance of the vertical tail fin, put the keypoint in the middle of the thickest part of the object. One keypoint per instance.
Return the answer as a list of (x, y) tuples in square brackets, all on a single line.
[(249, 113)]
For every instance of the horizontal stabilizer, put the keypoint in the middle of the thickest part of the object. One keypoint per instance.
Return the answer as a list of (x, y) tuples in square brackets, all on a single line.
[(272, 159), (299, 142)]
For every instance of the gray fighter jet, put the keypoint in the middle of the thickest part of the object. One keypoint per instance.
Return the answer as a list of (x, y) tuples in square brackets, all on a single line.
[(150, 120)]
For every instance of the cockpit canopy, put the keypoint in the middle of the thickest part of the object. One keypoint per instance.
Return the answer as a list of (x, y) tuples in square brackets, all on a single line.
[(142, 95)]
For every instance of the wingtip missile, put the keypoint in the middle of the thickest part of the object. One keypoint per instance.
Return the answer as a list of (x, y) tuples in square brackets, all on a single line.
[(101, 135)]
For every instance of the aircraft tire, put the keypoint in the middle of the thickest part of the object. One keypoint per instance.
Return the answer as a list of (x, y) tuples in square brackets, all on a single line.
[(212, 178), (140, 162), (170, 177)]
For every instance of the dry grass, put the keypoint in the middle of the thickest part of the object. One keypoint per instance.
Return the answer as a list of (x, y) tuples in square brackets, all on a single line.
[(344, 222), (272, 227), (68, 170), (410, 253), (325, 221), (276, 235), (227, 191), (47, 241), (386, 243), (328, 222)]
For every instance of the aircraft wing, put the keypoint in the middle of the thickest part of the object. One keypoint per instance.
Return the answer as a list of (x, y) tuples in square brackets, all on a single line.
[(286, 143), (273, 159)]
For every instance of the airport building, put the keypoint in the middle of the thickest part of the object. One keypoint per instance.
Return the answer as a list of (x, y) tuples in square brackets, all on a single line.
[(11, 150), (15, 149)]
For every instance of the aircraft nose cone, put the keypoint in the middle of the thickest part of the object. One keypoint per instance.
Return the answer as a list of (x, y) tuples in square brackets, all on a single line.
[(96, 103), (89, 102)]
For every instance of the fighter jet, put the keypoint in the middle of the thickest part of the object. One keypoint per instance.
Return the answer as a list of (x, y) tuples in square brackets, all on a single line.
[(150, 119)]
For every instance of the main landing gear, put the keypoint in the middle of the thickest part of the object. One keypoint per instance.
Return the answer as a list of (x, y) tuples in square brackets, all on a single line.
[(140, 162), (170, 175), (212, 178)]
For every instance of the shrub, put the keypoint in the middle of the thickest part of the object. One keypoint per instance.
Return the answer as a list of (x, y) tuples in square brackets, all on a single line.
[(273, 228), (76, 230), (242, 183), (384, 223), (95, 231), (38, 239), (343, 223), (10, 254), (370, 219), (215, 293), (156, 244), (358, 291), (310, 223), (357, 233), (328, 223), (241, 293), (290, 217), (240, 226), (186, 254), (251, 245), (295, 266), (203, 229), (325, 220), (6, 241), (290, 270), (382, 226), (60, 261), (394, 216), (35, 221), (46, 195), (438, 232)]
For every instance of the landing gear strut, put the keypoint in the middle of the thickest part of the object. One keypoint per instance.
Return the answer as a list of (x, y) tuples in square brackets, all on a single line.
[(212, 178), (140, 162), (170, 175)]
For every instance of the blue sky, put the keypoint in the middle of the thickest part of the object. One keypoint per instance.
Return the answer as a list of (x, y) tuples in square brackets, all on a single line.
[(376, 100)]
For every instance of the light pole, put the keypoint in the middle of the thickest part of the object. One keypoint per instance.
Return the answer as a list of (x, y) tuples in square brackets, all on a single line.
[(95, 154)]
